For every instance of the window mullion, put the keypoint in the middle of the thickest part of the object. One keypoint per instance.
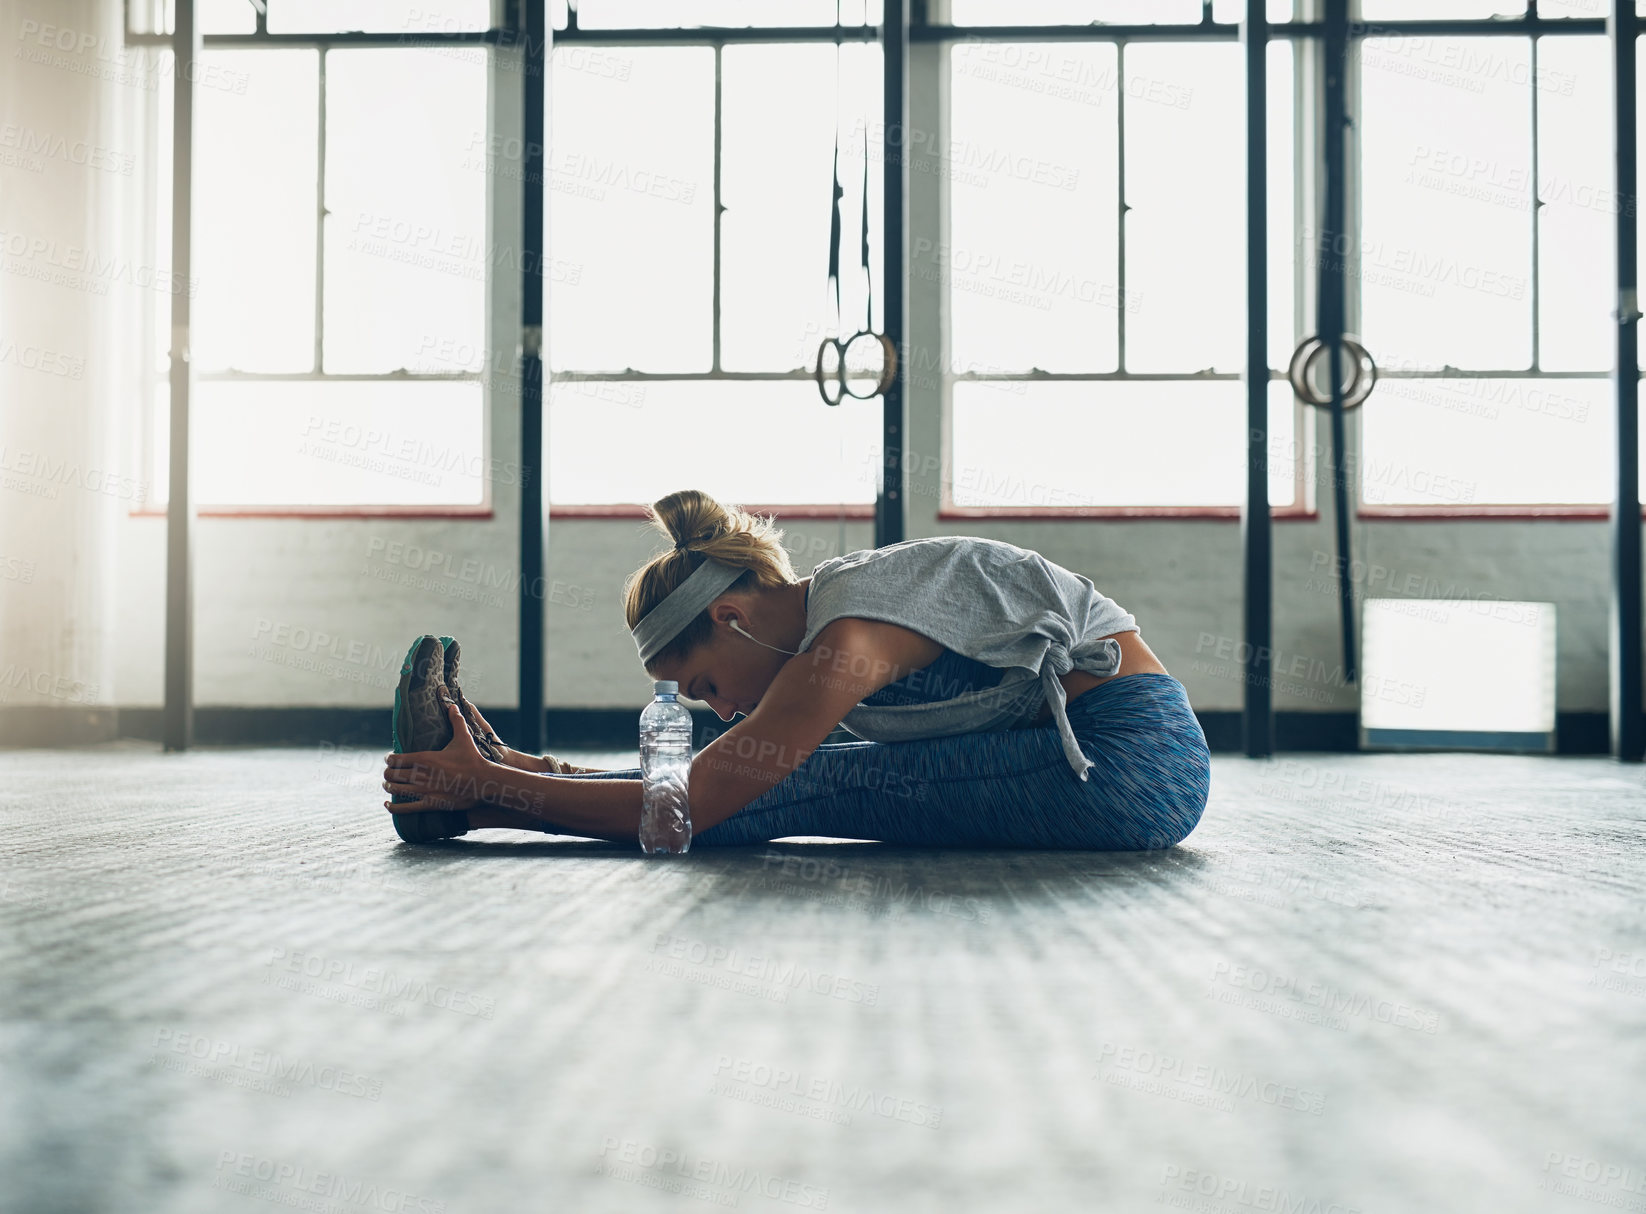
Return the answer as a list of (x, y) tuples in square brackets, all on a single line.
[(320, 217), (1120, 187), (1536, 212), (1304, 64), (714, 361)]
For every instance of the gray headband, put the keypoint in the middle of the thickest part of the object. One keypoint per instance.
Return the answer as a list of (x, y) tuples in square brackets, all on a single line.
[(664, 621)]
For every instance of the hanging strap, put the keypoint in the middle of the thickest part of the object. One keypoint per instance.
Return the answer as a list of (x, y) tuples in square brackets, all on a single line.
[(836, 193), (868, 287), (835, 196)]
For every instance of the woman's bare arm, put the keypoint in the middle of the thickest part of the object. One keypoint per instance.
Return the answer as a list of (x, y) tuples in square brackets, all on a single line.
[(509, 757), (559, 767), (850, 659), (543, 765)]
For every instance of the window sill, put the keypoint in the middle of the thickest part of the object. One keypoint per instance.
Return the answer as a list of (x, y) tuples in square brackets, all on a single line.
[(328, 512), (866, 512), (1119, 513), (1474, 513), (856, 510)]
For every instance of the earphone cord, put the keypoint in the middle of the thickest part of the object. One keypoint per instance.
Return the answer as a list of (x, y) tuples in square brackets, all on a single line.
[(736, 627)]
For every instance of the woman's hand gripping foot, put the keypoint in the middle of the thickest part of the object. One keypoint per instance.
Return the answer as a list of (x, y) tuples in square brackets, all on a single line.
[(509, 757), (457, 776)]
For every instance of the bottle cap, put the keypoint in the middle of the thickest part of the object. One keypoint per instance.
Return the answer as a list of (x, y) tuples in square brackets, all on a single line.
[(665, 687)]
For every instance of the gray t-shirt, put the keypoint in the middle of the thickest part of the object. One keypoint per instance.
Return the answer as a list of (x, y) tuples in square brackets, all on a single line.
[(985, 599)]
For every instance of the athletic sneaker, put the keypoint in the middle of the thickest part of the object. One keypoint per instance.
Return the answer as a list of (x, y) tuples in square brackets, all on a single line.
[(485, 741), (421, 723)]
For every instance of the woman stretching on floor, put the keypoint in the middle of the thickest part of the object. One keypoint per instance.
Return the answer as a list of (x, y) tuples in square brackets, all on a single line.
[(1003, 700)]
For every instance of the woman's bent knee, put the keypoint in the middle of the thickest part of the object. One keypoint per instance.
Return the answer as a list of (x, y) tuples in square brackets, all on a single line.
[(1155, 801), (1187, 794)]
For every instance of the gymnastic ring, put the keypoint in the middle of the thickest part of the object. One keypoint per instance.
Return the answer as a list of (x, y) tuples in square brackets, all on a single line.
[(1301, 388), (834, 384), (833, 377), (1365, 379), (1362, 379), (862, 340), (1368, 364)]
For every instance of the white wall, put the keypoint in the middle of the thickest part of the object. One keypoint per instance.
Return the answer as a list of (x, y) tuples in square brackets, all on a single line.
[(64, 178)]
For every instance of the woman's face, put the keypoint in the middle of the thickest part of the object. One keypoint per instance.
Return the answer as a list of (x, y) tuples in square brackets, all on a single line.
[(730, 672)]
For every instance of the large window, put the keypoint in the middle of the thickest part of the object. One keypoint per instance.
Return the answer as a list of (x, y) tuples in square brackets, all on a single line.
[(1095, 268), (1087, 256), (1479, 276), (340, 264), (1484, 266), (688, 200), (687, 329)]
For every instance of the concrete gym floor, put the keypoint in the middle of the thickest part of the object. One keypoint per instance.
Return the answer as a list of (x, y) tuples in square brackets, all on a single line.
[(1367, 982)]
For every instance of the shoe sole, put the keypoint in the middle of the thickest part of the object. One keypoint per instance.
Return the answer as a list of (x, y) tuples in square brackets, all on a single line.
[(402, 701), (417, 708)]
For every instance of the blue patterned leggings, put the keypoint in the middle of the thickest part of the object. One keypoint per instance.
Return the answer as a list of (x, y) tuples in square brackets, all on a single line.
[(1004, 788)]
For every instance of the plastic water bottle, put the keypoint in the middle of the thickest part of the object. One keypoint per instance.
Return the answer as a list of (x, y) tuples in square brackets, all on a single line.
[(665, 768)]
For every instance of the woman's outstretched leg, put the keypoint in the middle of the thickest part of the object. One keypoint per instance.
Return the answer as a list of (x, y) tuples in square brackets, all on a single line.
[(491, 817)]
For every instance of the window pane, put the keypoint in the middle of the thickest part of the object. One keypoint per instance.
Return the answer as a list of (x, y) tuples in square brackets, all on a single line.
[(1185, 223), (1073, 12), (159, 446), (1287, 449), (1466, 440), (653, 14), (1032, 266), (1235, 10), (1573, 8), (1052, 444), (1575, 256), (631, 207), (788, 446), (161, 221), (339, 16), (211, 16), (255, 162), (1424, 10), (406, 199), (1445, 252), (335, 444), (1284, 220), (225, 17), (778, 128)]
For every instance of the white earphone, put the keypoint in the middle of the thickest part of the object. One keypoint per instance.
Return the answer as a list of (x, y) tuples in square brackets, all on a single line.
[(736, 627)]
